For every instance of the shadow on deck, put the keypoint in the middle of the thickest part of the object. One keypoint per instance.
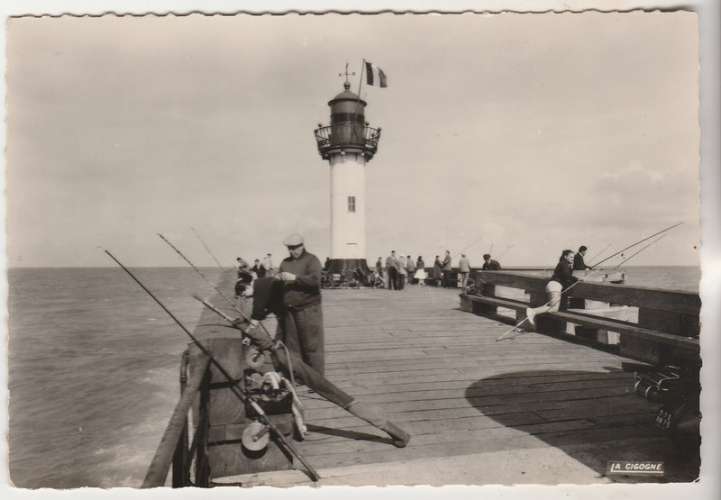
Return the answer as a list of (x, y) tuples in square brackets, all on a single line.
[(585, 415)]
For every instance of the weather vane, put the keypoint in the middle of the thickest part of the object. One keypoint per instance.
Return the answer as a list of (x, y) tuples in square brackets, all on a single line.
[(346, 73)]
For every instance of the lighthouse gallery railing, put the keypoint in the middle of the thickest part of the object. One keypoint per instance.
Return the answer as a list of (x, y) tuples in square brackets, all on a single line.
[(347, 135)]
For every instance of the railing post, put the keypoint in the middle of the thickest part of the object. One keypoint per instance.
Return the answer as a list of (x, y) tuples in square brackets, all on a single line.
[(181, 462), (202, 470), (487, 290), (646, 350)]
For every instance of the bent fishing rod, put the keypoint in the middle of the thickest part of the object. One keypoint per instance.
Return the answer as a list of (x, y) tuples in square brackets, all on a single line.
[(200, 273), (207, 249), (638, 252), (662, 233), (233, 384), (636, 244)]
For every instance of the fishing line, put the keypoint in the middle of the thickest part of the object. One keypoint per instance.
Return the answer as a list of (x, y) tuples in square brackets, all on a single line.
[(600, 252), (207, 249), (200, 273)]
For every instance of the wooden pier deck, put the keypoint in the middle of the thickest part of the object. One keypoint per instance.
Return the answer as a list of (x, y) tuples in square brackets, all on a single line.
[(535, 409)]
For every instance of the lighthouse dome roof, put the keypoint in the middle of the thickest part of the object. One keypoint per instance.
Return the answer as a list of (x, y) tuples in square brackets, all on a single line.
[(346, 95)]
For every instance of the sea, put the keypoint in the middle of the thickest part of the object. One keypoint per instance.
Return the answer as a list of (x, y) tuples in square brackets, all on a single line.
[(94, 367)]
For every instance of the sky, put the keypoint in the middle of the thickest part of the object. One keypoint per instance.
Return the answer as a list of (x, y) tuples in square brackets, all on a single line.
[(524, 134)]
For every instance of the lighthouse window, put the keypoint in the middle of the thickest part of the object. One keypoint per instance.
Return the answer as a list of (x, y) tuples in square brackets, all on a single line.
[(351, 203)]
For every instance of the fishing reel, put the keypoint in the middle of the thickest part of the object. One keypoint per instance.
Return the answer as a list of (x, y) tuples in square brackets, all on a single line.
[(256, 436), (678, 391), (655, 385)]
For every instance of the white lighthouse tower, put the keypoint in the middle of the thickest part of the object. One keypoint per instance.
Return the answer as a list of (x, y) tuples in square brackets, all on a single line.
[(348, 144)]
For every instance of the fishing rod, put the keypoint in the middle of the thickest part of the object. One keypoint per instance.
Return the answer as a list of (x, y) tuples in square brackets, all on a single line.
[(207, 249), (472, 244), (234, 385), (228, 318), (636, 243), (235, 308), (638, 252), (505, 251), (508, 332), (200, 273), (600, 252)]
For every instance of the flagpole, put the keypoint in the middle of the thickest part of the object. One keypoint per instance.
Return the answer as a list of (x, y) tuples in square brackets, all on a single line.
[(360, 82)]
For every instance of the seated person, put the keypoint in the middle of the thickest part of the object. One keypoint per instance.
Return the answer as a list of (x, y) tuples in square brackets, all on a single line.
[(561, 281)]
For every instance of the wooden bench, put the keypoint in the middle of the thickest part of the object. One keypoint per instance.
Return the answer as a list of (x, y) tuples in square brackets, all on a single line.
[(666, 331)]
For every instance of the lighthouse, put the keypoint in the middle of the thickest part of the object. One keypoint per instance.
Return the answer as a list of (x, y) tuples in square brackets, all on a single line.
[(348, 144)]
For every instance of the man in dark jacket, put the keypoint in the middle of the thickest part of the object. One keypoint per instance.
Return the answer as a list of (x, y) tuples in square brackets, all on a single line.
[(489, 264), (301, 325), (578, 263)]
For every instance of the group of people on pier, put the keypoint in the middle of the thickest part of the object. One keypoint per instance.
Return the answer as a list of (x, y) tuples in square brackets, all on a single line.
[(397, 271)]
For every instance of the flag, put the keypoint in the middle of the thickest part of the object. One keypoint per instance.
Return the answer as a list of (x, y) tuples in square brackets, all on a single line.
[(375, 75)]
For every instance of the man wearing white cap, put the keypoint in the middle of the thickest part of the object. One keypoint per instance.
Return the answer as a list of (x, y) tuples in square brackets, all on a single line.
[(301, 329)]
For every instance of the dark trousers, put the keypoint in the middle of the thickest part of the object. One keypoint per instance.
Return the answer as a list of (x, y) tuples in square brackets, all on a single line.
[(301, 330), (392, 278)]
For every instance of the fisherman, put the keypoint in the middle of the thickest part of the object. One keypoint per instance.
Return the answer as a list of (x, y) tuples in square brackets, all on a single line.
[(268, 297), (561, 280), (490, 264), (300, 326), (578, 263)]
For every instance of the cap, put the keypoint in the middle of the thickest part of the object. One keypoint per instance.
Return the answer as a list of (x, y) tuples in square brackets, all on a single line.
[(293, 240)]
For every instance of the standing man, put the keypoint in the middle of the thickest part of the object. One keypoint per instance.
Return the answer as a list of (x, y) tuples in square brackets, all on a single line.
[(578, 263), (301, 327), (464, 267), (392, 270), (402, 272), (447, 268), (410, 268)]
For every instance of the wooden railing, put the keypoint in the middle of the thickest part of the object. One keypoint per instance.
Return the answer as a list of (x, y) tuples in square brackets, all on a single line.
[(666, 330), (173, 448)]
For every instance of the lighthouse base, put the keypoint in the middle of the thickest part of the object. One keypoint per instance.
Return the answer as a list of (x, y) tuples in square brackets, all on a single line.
[(349, 268)]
